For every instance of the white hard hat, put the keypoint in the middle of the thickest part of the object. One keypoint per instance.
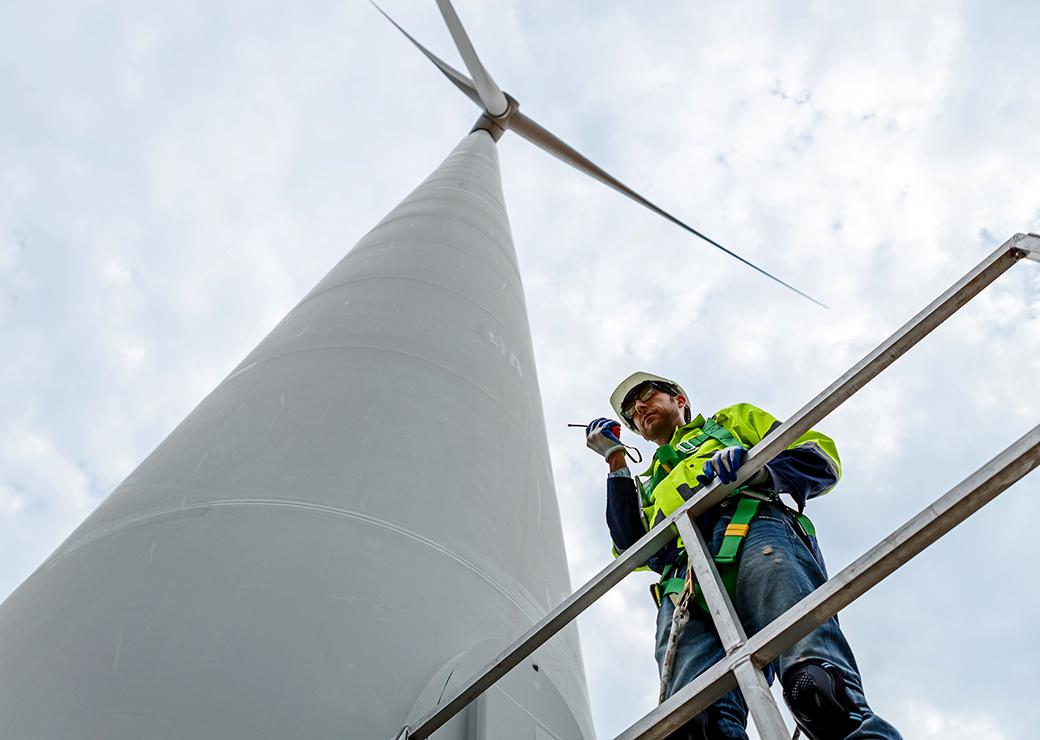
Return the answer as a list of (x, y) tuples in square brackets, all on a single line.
[(617, 398)]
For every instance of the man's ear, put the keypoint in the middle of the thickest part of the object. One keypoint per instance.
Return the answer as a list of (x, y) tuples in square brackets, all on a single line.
[(684, 407)]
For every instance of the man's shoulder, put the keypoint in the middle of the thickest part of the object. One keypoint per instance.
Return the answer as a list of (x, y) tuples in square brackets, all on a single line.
[(747, 421), (737, 411)]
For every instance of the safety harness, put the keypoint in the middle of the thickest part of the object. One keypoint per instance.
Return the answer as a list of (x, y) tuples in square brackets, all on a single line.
[(747, 504)]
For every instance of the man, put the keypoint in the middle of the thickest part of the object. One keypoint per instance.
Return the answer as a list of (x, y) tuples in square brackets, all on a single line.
[(768, 565)]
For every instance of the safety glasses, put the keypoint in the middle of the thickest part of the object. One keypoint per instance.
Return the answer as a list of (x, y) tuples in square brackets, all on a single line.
[(641, 393)]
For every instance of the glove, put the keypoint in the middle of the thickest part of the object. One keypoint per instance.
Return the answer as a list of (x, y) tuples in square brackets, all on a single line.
[(601, 436), (725, 464)]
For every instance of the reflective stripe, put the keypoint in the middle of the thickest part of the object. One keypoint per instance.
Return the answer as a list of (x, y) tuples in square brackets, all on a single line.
[(736, 530)]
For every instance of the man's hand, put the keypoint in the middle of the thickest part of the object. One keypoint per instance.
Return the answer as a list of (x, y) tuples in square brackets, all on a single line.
[(725, 464), (603, 436)]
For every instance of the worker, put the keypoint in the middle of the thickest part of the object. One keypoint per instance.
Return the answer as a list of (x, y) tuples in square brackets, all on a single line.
[(766, 552)]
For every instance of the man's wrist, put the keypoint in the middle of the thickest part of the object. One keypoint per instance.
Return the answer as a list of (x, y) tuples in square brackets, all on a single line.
[(762, 479), (616, 460)]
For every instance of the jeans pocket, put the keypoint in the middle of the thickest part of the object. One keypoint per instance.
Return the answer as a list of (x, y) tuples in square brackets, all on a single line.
[(775, 526)]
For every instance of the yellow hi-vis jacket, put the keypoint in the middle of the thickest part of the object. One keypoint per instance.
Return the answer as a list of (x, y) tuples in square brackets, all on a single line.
[(695, 443)]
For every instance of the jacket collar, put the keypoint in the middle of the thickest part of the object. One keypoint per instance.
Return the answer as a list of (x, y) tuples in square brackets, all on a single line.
[(694, 425)]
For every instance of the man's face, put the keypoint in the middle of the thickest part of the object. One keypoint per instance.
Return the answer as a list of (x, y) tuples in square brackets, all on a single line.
[(657, 417)]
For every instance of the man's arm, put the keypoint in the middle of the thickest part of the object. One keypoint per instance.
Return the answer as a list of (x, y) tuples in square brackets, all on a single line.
[(624, 506), (802, 473), (624, 500), (810, 467), (625, 519)]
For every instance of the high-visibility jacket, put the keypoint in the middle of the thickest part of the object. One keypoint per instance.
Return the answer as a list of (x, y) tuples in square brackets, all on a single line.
[(672, 475)]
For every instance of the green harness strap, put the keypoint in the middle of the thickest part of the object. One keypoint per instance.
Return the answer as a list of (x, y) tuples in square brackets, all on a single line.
[(747, 506), (711, 430), (807, 526), (668, 457), (725, 561), (666, 586)]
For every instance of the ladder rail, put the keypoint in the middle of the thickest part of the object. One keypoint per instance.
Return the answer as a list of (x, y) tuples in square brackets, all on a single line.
[(727, 623), (717, 679), (1031, 247), (750, 679), (763, 707)]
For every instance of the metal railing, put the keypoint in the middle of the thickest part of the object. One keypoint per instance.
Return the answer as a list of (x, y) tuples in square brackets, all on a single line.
[(745, 657)]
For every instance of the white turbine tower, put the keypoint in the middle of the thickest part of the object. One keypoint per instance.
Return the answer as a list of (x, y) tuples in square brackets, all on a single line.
[(356, 520)]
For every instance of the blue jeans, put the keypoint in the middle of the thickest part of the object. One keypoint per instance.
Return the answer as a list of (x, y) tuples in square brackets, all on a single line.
[(776, 570)]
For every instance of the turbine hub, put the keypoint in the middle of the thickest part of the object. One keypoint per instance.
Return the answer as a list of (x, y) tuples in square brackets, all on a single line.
[(497, 125)]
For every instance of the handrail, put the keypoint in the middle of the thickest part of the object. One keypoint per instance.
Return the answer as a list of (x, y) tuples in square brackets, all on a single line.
[(933, 522), (684, 704)]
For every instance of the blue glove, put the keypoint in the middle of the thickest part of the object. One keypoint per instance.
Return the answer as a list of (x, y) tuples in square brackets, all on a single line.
[(601, 436), (723, 464)]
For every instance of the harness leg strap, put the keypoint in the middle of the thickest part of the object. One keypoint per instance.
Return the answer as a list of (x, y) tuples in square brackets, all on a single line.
[(737, 529)]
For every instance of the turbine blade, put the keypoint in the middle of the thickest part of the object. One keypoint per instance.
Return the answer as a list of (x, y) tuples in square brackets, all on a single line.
[(545, 139), (494, 101), (461, 81)]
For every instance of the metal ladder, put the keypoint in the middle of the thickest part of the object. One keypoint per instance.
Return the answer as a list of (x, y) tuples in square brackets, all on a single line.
[(745, 657)]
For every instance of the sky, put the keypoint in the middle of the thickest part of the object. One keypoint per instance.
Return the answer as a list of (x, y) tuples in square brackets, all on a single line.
[(175, 177)]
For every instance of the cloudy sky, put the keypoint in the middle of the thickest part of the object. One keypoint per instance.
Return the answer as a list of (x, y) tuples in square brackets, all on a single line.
[(175, 176)]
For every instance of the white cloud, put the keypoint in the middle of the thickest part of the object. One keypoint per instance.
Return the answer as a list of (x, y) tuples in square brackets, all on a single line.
[(919, 720), (11, 502)]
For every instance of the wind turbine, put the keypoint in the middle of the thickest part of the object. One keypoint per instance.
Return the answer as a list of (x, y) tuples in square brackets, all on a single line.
[(501, 113), (356, 520)]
